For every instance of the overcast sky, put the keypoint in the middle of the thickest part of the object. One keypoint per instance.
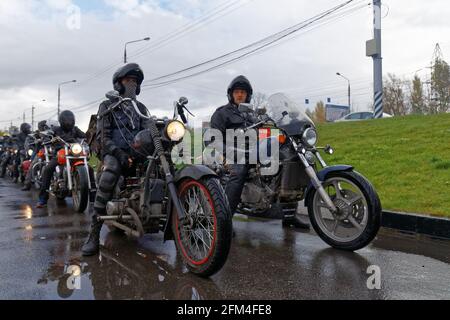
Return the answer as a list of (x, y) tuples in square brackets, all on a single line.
[(43, 45)]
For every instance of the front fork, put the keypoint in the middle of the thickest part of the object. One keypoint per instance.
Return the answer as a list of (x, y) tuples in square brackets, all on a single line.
[(317, 184)]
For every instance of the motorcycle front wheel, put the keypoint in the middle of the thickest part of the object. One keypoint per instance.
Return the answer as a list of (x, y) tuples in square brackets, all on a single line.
[(80, 189), (358, 219), (204, 238), (36, 175)]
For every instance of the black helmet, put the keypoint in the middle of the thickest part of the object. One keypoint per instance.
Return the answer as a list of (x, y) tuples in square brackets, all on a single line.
[(240, 82), (42, 125), (25, 128), (131, 69), (67, 120)]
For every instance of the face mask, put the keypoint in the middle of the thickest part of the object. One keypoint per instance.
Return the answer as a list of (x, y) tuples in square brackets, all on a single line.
[(130, 90)]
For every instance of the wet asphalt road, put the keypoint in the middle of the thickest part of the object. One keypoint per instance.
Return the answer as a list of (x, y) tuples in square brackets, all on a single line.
[(39, 246)]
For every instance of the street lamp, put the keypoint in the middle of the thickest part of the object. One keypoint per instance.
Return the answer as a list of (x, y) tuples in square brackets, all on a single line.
[(59, 93), (349, 88), (32, 114), (125, 52)]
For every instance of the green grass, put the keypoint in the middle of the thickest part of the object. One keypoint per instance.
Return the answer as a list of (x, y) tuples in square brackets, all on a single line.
[(406, 158)]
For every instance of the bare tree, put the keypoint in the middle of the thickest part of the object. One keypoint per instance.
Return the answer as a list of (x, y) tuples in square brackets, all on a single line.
[(260, 100), (394, 97)]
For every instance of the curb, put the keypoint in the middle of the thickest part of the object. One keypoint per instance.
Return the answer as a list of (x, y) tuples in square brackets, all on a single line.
[(414, 223)]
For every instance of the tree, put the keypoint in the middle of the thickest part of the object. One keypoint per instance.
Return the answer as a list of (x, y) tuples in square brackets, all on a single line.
[(394, 98), (440, 86), (260, 100), (417, 99), (319, 113)]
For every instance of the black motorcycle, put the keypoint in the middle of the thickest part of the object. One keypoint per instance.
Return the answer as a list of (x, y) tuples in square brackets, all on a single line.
[(343, 206), (188, 204)]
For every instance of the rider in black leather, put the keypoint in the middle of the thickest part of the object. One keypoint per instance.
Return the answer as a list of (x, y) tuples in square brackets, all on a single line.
[(42, 126), (229, 117), (6, 156), (20, 139), (115, 133)]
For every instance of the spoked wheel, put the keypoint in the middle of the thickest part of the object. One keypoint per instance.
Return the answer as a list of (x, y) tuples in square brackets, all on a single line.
[(358, 218), (80, 189), (203, 239)]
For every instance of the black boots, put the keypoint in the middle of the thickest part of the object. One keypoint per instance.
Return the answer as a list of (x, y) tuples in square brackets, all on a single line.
[(92, 245), (291, 220), (27, 187)]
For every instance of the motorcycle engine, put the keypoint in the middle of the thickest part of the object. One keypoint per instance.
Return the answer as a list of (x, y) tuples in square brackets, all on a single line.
[(256, 197)]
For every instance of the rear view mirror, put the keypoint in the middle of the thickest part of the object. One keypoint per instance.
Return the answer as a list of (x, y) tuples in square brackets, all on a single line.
[(246, 108)]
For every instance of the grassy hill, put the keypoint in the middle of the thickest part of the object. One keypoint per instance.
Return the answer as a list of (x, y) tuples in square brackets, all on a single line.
[(406, 158)]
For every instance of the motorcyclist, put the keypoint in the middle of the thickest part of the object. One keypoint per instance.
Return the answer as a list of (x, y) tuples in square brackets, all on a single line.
[(229, 117), (19, 140), (69, 133), (36, 146), (6, 156), (115, 133)]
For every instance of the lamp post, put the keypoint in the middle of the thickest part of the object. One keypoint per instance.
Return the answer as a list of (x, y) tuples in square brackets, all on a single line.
[(349, 89), (125, 51), (32, 114), (59, 93)]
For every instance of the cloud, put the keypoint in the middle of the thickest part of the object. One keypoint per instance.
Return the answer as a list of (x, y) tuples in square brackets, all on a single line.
[(39, 51)]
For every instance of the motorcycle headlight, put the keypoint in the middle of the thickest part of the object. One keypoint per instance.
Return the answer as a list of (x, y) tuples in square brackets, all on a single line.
[(15, 151), (30, 152), (175, 130), (76, 149), (310, 137)]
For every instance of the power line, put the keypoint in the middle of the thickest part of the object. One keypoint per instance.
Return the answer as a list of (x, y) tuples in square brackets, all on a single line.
[(254, 47), (174, 35)]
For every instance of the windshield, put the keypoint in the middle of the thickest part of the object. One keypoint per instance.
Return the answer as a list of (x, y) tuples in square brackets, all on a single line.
[(296, 119)]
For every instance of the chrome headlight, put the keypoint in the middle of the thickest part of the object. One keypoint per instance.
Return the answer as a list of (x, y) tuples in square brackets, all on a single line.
[(15, 151), (30, 152), (76, 149), (310, 137), (175, 130)]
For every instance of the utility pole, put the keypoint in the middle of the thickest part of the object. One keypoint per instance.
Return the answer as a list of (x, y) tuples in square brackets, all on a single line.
[(373, 49), (23, 117), (32, 118)]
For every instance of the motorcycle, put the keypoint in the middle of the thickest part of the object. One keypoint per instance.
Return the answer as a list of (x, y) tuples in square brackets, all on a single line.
[(187, 204), (71, 177), (6, 165), (343, 206), (44, 155)]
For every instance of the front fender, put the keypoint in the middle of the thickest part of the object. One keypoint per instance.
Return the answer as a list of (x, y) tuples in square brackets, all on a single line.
[(323, 175), (195, 172)]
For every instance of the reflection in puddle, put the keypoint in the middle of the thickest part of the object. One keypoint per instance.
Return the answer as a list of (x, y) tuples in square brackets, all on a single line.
[(119, 272)]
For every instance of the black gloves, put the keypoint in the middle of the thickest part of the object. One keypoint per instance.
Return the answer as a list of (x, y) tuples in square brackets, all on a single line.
[(123, 157)]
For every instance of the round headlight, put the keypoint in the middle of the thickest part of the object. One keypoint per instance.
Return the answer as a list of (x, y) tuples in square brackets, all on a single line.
[(310, 137), (175, 130), (15, 151), (30, 152), (76, 149)]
